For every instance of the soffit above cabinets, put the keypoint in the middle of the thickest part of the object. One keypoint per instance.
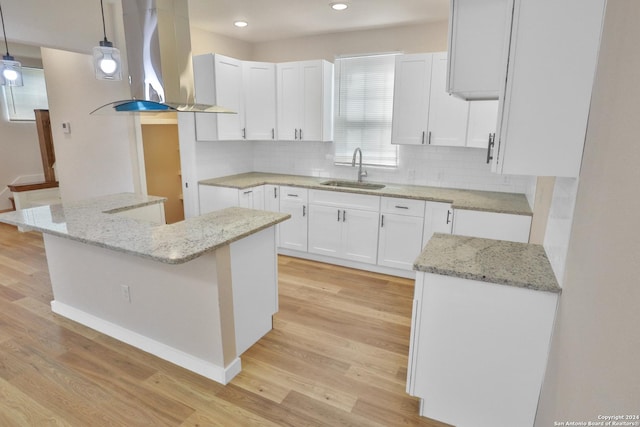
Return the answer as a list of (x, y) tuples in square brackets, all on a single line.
[(281, 19)]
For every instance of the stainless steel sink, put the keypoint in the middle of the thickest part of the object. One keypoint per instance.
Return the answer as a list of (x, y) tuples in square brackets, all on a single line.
[(353, 184)]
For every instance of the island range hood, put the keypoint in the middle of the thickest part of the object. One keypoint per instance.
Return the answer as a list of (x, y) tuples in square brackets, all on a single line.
[(158, 45)]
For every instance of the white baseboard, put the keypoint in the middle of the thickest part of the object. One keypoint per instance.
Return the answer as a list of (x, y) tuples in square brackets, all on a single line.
[(350, 264), (207, 369)]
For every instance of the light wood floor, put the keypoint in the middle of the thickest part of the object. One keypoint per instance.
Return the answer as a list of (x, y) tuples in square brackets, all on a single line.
[(337, 356)]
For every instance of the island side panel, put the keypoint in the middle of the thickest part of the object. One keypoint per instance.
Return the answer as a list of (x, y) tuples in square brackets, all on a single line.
[(172, 311), (480, 352), (255, 286)]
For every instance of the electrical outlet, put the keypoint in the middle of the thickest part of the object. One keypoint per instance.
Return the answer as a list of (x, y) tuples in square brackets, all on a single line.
[(126, 293)]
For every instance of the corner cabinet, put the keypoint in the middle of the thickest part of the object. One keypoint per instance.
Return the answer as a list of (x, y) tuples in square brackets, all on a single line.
[(218, 81), (305, 101)]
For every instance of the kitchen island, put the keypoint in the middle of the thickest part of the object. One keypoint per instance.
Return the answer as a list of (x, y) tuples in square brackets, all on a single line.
[(197, 293), (483, 315)]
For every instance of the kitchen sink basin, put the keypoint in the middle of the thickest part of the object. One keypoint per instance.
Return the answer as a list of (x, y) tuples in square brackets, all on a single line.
[(353, 184)]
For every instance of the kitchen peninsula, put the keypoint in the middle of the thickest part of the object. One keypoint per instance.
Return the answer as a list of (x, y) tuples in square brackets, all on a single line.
[(180, 291)]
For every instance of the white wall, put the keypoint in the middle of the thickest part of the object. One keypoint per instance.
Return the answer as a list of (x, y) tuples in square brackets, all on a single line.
[(593, 366), (97, 158)]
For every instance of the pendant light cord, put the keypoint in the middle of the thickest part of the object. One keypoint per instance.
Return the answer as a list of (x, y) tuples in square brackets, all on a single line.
[(104, 27), (4, 30)]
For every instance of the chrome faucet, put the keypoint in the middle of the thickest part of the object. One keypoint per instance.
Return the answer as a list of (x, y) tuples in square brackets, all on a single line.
[(361, 172)]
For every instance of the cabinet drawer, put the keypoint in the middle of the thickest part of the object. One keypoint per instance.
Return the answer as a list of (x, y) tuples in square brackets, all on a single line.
[(344, 200), (393, 205), (294, 193)]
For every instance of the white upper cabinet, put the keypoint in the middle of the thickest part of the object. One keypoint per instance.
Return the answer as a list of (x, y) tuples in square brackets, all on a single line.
[(218, 81), (483, 117), (412, 86), (545, 101), (448, 114), (305, 101), (478, 37), (259, 81)]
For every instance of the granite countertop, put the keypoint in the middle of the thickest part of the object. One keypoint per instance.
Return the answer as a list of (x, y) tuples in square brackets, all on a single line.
[(91, 221), (523, 265), (489, 201)]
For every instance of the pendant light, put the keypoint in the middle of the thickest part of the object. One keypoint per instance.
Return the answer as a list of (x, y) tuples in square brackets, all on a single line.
[(106, 58), (10, 69)]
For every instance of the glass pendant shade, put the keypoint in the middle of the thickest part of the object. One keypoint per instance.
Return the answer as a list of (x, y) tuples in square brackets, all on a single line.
[(106, 61), (10, 72)]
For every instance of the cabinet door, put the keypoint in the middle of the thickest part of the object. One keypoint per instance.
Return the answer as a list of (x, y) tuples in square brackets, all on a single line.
[(288, 100), (478, 36), (293, 232), (448, 114), (213, 198), (218, 81), (325, 227), (272, 198), (312, 97), (483, 116), (412, 84), (259, 80), (400, 240), (438, 218), (228, 78), (360, 235), (546, 98)]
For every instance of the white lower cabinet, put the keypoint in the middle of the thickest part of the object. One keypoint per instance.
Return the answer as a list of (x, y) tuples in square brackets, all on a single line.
[(344, 225), (213, 198), (492, 225), (252, 198), (478, 350), (272, 198), (401, 227), (438, 218), (293, 232)]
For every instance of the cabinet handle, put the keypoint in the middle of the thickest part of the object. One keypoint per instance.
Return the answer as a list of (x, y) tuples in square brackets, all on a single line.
[(429, 137), (273, 133), (275, 192), (248, 192), (448, 216), (344, 216), (292, 195), (304, 210), (422, 137), (296, 134), (401, 207), (300, 134), (381, 221), (244, 133), (492, 140)]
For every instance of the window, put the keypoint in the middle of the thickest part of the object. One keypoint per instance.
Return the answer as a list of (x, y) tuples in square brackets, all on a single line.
[(364, 107), (22, 100)]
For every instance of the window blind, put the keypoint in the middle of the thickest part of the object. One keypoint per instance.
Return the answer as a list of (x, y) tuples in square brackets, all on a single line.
[(364, 107)]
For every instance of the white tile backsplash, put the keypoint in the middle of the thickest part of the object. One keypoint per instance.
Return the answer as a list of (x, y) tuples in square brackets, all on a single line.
[(420, 165)]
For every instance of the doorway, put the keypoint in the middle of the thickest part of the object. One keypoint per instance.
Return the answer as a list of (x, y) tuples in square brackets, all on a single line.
[(161, 147)]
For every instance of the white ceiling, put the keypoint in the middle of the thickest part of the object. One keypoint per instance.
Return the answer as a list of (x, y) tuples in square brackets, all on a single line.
[(281, 19)]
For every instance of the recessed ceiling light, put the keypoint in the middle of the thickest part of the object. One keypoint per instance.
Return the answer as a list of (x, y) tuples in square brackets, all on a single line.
[(338, 6), (241, 24)]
